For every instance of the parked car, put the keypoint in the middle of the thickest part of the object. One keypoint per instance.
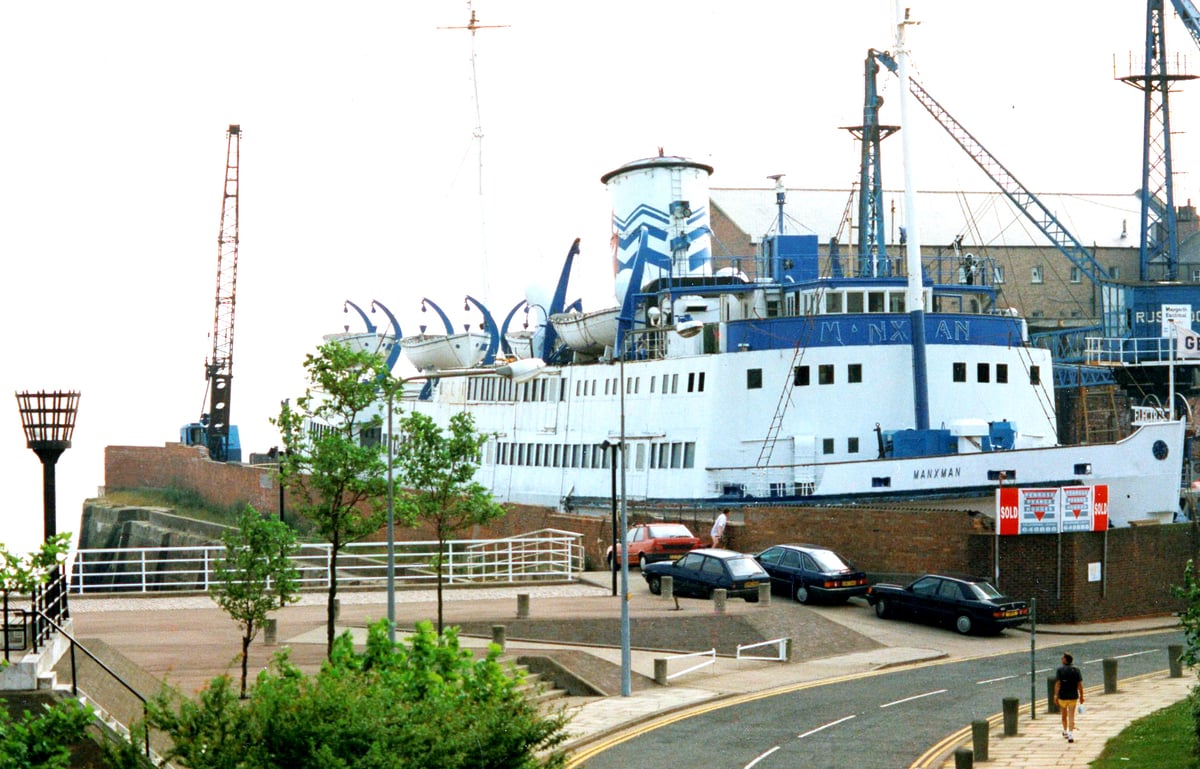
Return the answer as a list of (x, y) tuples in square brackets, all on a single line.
[(967, 603), (653, 542), (812, 573), (702, 571)]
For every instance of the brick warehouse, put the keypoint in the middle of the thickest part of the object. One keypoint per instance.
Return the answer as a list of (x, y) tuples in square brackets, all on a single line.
[(1075, 578)]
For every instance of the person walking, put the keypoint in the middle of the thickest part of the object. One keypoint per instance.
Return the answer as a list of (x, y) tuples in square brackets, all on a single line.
[(1068, 694), (717, 533)]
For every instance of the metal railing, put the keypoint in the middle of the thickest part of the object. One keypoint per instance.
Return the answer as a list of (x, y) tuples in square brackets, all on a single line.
[(546, 554), (1135, 351)]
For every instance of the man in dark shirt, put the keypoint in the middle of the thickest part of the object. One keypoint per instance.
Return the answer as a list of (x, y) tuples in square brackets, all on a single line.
[(1068, 693)]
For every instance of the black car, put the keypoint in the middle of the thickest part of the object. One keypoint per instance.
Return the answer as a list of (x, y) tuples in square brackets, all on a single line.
[(700, 572), (812, 573), (967, 603)]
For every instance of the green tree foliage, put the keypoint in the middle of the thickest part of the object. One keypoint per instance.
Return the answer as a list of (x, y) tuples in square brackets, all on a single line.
[(42, 740), (334, 461), (21, 573), (421, 703), (1189, 591), (256, 576), (436, 469)]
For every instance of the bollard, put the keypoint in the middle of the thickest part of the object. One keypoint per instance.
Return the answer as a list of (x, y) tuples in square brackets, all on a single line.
[(270, 631), (1110, 676), (668, 586), (719, 600), (660, 672), (788, 649), (1174, 661), (498, 636), (963, 758), (1051, 703), (1011, 705), (522, 605), (979, 739), (764, 594)]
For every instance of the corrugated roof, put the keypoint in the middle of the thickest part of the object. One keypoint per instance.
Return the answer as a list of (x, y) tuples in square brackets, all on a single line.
[(983, 218)]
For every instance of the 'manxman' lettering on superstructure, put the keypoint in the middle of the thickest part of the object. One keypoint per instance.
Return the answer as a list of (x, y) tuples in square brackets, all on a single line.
[(931, 473)]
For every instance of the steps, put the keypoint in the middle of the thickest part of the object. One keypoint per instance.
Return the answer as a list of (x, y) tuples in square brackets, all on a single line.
[(539, 690)]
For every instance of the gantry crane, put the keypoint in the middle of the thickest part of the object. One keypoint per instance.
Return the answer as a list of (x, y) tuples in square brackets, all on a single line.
[(214, 430)]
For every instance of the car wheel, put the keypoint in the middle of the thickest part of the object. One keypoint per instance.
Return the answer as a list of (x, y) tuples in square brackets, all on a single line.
[(642, 561), (802, 594), (963, 624), (655, 585), (882, 610), (752, 598)]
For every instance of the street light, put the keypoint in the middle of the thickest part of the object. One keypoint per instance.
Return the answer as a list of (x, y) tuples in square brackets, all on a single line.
[(48, 419), (517, 371)]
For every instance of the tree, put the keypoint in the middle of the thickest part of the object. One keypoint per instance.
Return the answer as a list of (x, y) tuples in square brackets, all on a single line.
[(257, 575), (334, 461), (43, 740), (1189, 591), (436, 470), (423, 703), (22, 574)]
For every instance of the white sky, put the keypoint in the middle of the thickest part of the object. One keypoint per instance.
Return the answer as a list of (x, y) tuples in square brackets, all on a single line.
[(359, 171)]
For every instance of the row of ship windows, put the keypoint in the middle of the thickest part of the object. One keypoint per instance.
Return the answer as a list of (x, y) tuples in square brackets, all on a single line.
[(693, 382), (655, 456), (802, 375), (549, 389)]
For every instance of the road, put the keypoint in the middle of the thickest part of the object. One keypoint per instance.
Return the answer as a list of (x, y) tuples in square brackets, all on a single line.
[(882, 720)]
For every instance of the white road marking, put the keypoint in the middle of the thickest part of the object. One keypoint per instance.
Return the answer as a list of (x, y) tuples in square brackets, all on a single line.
[(914, 697), (994, 680), (761, 757), (826, 726)]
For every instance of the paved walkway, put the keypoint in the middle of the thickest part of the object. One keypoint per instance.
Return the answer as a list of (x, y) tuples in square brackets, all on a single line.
[(187, 640)]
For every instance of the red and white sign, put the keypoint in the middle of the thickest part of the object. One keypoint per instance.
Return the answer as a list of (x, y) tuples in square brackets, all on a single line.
[(1051, 510)]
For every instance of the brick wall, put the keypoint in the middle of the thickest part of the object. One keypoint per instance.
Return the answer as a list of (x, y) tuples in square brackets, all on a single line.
[(189, 467)]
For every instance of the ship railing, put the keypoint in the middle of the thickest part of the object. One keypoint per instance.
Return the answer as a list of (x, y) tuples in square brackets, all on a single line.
[(943, 269), (547, 554), (1133, 351), (763, 483)]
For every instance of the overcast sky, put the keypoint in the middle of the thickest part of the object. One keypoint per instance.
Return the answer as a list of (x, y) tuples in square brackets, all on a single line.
[(360, 170)]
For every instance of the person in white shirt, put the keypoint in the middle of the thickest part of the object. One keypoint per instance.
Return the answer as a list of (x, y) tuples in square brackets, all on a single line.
[(718, 528)]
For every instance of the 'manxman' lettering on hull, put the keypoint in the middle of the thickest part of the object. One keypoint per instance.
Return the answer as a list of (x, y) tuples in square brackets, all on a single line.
[(936, 472)]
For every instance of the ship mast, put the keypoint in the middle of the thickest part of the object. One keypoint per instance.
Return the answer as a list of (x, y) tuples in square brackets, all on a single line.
[(914, 296)]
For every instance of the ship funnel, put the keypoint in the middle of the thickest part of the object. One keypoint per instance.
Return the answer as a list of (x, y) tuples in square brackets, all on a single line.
[(668, 196)]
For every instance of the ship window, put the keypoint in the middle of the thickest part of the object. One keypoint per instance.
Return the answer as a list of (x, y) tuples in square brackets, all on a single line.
[(640, 462), (540, 458), (691, 386), (1035, 375), (983, 372), (689, 454), (1084, 468), (777, 489), (629, 383), (653, 382), (896, 302), (754, 379), (600, 457), (833, 302), (825, 374), (854, 373), (653, 463), (1002, 373), (881, 483), (960, 371), (1009, 475), (827, 445), (542, 385), (800, 376), (674, 383), (700, 383), (666, 381), (854, 301), (663, 448), (676, 455), (852, 445), (875, 301), (586, 458), (772, 308), (558, 452)]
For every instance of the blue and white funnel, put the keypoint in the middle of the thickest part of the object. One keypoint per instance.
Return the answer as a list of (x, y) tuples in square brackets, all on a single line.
[(668, 196)]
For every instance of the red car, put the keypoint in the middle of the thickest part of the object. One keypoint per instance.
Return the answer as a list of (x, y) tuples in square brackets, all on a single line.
[(651, 542)]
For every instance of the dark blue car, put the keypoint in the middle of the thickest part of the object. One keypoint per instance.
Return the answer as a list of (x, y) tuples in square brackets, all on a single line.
[(811, 573), (700, 572)]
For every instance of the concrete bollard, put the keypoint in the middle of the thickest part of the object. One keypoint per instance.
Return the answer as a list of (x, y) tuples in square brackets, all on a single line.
[(963, 758), (979, 739), (1110, 675), (1051, 704), (498, 636), (1011, 708), (270, 631), (719, 600), (1174, 652), (660, 671), (764, 594), (522, 605), (668, 586), (788, 649)]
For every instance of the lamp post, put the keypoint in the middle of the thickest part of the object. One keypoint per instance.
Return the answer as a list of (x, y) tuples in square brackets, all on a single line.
[(48, 419), (616, 543), (517, 371), (626, 656)]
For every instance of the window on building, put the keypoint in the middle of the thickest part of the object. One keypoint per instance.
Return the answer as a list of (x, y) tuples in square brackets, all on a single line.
[(998, 273), (1036, 274), (754, 379), (960, 371), (1196, 276), (825, 374), (854, 373), (1114, 272), (827, 445), (1076, 275)]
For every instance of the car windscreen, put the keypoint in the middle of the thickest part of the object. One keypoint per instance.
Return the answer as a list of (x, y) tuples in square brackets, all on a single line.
[(668, 531), (828, 560), (984, 590), (744, 566)]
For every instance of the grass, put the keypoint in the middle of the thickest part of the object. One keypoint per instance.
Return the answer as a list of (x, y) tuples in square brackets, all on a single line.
[(1164, 739), (181, 501)]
